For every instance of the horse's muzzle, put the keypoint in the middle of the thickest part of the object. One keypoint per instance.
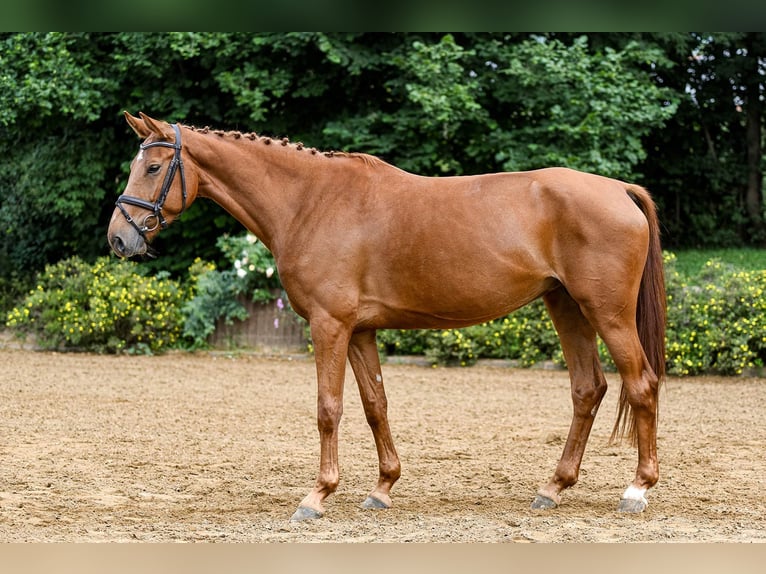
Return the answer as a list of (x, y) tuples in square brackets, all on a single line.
[(126, 244)]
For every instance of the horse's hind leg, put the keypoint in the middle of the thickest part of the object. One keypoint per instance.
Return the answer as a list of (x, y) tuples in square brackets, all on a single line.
[(640, 389), (588, 385), (364, 359)]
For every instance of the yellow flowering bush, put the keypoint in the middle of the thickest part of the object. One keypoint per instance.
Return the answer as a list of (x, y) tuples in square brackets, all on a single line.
[(107, 307), (452, 346), (717, 322), (716, 317)]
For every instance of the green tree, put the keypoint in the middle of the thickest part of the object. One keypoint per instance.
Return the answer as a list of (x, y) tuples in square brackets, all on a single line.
[(65, 148), (567, 104), (707, 167), (52, 172), (488, 102)]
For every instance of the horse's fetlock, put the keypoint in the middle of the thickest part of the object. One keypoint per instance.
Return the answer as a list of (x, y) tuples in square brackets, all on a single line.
[(391, 474), (328, 484), (566, 478)]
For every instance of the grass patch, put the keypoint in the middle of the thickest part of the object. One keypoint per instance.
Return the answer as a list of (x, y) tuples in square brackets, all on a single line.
[(691, 262)]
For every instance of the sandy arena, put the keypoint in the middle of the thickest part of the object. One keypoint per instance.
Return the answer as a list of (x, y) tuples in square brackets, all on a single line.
[(215, 448)]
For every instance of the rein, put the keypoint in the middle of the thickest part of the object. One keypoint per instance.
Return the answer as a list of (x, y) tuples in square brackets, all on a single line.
[(176, 164)]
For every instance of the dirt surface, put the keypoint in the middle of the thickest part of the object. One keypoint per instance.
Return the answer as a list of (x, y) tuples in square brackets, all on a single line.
[(218, 448)]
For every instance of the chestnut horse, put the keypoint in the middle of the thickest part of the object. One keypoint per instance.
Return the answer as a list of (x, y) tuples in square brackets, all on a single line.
[(361, 245)]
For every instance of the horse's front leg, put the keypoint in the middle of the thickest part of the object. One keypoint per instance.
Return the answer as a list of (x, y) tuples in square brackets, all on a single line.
[(365, 361), (330, 350)]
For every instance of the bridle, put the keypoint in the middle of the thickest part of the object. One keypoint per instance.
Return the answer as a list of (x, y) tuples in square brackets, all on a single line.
[(149, 224)]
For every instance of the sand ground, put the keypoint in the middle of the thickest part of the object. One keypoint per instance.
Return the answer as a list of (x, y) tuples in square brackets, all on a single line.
[(212, 447)]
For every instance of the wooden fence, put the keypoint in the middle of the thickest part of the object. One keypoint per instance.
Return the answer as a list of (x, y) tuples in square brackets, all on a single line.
[(270, 327)]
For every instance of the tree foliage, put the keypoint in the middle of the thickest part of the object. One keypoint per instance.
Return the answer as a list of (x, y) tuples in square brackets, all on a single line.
[(676, 112), (698, 166)]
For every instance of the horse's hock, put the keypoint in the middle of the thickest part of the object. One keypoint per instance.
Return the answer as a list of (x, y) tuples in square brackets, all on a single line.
[(269, 327)]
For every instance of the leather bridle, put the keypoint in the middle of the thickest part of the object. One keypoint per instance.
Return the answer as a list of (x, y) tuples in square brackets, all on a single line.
[(155, 218)]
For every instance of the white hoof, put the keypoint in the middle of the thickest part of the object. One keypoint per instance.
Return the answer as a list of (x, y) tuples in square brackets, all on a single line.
[(633, 500)]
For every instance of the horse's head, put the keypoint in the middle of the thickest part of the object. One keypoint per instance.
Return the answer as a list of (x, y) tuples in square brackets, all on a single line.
[(158, 189)]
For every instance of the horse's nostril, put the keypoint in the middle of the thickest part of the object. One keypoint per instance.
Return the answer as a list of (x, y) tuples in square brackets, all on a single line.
[(118, 245)]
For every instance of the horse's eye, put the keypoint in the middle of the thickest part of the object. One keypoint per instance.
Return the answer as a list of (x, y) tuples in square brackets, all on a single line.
[(154, 168)]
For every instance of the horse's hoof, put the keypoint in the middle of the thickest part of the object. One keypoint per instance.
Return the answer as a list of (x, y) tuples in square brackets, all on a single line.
[(373, 503), (632, 505), (543, 503), (305, 513)]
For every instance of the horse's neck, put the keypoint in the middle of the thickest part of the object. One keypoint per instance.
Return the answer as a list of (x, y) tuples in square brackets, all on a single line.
[(264, 186)]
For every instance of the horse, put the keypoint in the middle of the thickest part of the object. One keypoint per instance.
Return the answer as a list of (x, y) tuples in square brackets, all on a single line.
[(361, 245)]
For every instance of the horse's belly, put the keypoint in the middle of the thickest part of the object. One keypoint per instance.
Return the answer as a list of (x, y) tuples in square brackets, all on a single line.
[(454, 301)]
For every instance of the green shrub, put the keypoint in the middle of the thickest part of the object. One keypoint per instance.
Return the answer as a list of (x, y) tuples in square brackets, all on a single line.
[(452, 347), (716, 318), (213, 296), (403, 342), (526, 335), (251, 272), (106, 307)]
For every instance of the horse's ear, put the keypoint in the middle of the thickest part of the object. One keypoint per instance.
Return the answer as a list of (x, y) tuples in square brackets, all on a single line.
[(138, 125), (159, 128)]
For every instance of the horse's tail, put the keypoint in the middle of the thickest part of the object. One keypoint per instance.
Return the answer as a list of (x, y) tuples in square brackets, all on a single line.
[(651, 310)]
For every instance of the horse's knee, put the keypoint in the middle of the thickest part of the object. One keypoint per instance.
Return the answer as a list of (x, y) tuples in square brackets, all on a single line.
[(329, 413), (589, 395), (587, 398), (376, 415)]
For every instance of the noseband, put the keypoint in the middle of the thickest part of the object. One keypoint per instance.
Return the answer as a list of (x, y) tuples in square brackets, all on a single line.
[(155, 218)]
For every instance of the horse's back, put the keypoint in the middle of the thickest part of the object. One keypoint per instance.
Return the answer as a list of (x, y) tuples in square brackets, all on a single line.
[(532, 212)]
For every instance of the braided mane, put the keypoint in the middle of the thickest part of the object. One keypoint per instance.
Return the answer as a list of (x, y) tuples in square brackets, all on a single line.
[(368, 159)]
